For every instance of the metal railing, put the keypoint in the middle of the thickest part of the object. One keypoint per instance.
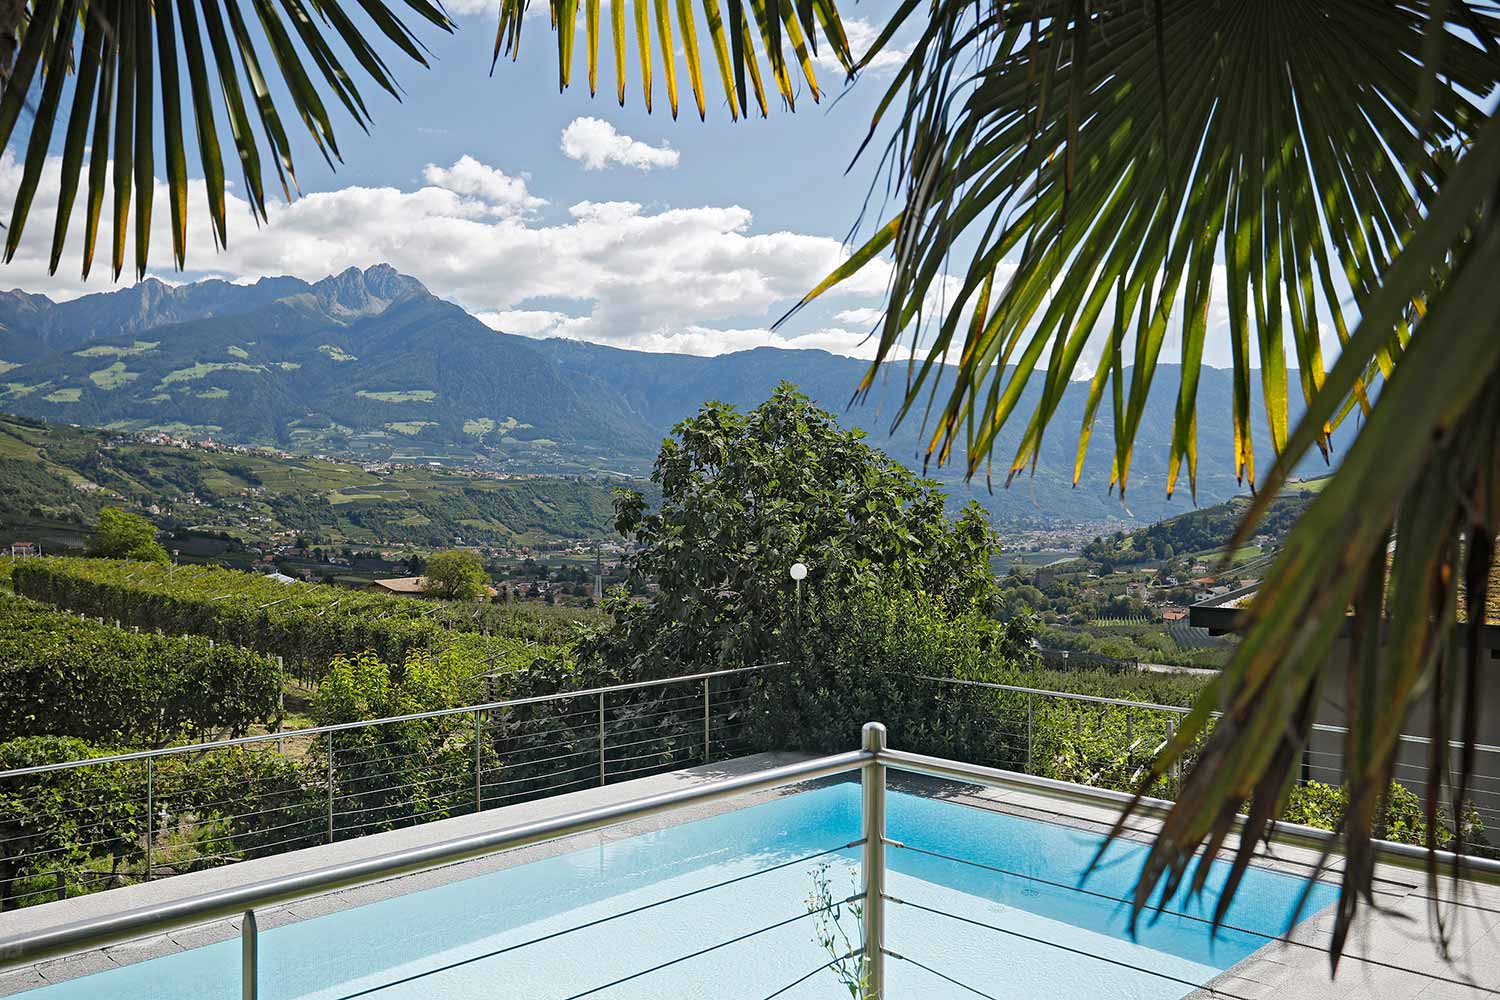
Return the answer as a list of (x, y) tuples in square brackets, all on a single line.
[(872, 760), (1109, 742), (147, 814)]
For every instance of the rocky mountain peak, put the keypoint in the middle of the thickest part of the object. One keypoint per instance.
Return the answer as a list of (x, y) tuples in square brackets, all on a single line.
[(353, 293)]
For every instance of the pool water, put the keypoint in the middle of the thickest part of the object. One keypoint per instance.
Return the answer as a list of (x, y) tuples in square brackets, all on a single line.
[(442, 942)]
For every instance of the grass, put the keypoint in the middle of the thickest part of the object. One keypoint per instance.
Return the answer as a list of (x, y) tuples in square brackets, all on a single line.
[(398, 395), (70, 395), (410, 427), (113, 377), (335, 353), (115, 351), (203, 369)]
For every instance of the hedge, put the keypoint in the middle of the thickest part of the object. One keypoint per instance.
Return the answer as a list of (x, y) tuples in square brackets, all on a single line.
[(307, 625), (62, 675)]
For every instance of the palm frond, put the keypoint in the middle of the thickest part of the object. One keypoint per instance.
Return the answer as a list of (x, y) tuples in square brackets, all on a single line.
[(1113, 154), (1396, 554), (731, 36), (126, 52)]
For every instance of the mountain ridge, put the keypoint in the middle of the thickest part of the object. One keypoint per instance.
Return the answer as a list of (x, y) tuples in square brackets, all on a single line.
[(369, 363)]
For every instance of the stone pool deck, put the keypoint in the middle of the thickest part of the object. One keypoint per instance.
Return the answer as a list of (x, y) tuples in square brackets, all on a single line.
[(1390, 957)]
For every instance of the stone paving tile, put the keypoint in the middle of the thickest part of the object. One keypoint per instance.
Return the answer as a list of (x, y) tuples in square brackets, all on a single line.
[(20, 981)]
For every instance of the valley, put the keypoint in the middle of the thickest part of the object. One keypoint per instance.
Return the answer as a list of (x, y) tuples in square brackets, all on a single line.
[(368, 366)]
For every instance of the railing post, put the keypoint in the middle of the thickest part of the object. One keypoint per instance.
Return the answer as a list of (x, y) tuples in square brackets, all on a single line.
[(1028, 732), (150, 814), (873, 866), (705, 721), (330, 788), (601, 737), (249, 958), (1176, 764), (478, 767)]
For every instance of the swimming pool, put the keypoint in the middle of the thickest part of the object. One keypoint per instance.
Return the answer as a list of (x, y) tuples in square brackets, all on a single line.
[(552, 930)]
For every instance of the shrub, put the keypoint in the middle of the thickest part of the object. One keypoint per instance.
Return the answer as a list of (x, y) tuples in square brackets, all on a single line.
[(53, 823), (398, 773), (65, 676), (306, 625), (1401, 817)]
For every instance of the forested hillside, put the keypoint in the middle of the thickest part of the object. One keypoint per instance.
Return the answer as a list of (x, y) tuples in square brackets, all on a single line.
[(55, 478), (370, 365)]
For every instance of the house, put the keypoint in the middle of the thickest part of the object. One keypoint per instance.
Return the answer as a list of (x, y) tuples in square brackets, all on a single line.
[(22, 550), (1174, 613), (412, 586), (407, 586)]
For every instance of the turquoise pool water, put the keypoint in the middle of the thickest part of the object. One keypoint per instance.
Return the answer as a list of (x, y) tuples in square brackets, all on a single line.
[(429, 944)]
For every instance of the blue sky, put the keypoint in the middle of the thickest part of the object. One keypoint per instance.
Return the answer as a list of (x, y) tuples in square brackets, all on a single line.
[(643, 232), (557, 214)]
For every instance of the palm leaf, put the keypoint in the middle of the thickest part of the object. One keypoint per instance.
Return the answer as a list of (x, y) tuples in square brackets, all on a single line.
[(734, 48), (1058, 165), (127, 53), (1113, 154)]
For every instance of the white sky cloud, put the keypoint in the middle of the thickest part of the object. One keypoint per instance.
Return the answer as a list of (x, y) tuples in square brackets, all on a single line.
[(597, 144), (866, 316), (697, 279), (862, 35), (500, 193)]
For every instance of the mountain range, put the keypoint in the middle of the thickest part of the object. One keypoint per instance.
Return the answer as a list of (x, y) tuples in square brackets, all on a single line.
[(370, 364)]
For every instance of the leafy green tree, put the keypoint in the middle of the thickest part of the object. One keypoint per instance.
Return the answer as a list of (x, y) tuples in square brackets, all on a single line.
[(402, 772), (746, 495), (123, 535), (456, 575)]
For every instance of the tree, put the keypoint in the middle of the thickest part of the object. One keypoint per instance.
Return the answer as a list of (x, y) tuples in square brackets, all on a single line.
[(117, 49), (746, 495), (456, 575), (123, 535), (1097, 163), (1094, 163)]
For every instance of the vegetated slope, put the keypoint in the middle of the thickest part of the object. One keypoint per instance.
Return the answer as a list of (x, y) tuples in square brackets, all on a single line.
[(369, 363), (1206, 532), (307, 624), (59, 476)]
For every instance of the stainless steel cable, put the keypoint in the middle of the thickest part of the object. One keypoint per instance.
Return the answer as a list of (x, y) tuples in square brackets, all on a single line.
[(1061, 947)]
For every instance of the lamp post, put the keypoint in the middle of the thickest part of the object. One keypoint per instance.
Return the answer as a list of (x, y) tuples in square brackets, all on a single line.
[(799, 573)]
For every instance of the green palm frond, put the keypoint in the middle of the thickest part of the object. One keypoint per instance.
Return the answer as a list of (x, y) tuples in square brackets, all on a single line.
[(1398, 548), (124, 52), (1110, 155), (731, 31), (1096, 166)]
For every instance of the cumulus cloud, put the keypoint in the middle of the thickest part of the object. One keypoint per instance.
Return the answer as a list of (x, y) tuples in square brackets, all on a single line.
[(498, 192), (865, 316), (862, 35), (598, 145), (698, 279)]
